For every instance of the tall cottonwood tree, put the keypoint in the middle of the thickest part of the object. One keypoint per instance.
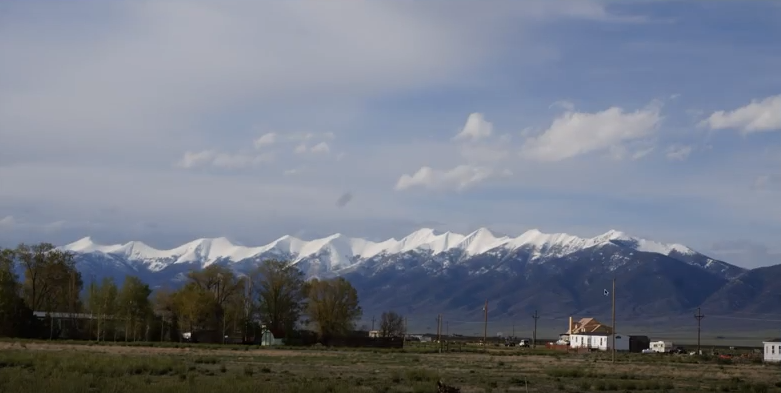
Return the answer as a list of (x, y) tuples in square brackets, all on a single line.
[(102, 302), (51, 283), (134, 307), (16, 319), (224, 286), (333, 306), (391, 324), (279, 289)]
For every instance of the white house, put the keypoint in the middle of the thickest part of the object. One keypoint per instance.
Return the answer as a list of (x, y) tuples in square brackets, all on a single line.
[(773, 350), (267, 339), (598, 341), (661, 346)]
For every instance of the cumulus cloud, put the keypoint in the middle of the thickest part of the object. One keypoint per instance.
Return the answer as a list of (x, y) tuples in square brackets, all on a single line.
[(202, 158), (476, 128), (578, 133), (678, 152), (321, 147), (265, 140), (757, 116), (458, 178)]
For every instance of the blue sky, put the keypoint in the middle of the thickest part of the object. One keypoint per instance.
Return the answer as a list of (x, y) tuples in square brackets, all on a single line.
[(146, 120)]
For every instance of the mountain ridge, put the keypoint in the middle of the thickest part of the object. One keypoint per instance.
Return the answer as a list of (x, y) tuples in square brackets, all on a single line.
[(342, 249), (430, 272)]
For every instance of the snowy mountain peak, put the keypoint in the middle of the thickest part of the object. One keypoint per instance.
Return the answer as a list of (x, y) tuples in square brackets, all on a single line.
[(338, 251)]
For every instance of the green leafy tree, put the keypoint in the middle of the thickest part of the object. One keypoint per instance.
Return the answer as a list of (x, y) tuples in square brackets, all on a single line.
[(195, 307), (16, 319), (102, 302), (52, 283), (135, 307), (224, 286), (279, 288), (333, 306)]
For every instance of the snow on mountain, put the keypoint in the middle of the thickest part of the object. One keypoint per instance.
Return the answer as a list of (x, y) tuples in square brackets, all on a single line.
[(337, 252)]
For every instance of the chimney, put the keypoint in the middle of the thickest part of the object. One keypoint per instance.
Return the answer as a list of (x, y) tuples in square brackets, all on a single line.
[(570, 325)]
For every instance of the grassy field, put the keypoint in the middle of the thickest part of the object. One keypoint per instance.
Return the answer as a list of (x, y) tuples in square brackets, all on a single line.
[(68, 367)]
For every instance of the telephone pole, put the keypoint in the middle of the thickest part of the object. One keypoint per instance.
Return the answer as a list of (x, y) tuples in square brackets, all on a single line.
[(699, 316), (404, 336), (439, 332), (513, 336), (534, 335), (372, 322), (485, 326), (614, 319)]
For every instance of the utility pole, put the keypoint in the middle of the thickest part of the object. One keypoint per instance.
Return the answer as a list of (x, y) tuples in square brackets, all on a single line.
[(439, 332), (534, 335), (485, 326), (513, 330), (404, 336), (372, 322), (614, 319), (699, 318), (447, 329)]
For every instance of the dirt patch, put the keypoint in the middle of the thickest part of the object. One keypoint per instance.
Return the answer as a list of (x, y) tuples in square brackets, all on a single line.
[(122, 350)]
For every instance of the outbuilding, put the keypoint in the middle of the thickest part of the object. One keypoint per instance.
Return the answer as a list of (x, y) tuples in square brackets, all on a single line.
[(772, 350)]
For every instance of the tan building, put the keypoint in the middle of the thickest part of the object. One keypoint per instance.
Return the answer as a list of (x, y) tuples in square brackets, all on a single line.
[(588, 325)]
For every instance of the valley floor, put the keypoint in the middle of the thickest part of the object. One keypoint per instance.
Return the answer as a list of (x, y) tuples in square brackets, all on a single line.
[(61, 367)]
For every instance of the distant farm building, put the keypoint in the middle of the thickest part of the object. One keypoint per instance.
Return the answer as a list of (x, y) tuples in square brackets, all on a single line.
[(773, 350), (661, 346)]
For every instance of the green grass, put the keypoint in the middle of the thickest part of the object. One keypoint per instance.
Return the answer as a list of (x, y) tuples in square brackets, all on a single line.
[(61, 367)]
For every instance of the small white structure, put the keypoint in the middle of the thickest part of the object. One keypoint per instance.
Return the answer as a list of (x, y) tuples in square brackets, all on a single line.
[(598, 341), (374, 333), (772, 350), (268, 339), (661, 346)]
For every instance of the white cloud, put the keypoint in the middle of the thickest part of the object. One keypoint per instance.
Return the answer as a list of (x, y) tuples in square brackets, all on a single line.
[(7, 222), (577, 133), (321, 147), (566, 105), (678, 152), (458, 178), (483, 153), (757, 116), (195, 159), (642, 153), (265, 140), (476, 128), (222, 160)]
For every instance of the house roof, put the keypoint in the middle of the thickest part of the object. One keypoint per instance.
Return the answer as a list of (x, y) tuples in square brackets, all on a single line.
[(591, 334), (775, 340), (589, 324)]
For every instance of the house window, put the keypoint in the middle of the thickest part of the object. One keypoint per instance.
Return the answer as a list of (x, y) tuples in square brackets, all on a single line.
[(773, 349)]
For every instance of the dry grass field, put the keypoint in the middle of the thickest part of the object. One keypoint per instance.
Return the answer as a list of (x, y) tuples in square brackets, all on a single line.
[(39, 367)]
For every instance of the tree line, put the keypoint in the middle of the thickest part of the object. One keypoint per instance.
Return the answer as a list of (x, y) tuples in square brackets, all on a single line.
[(214, 300)]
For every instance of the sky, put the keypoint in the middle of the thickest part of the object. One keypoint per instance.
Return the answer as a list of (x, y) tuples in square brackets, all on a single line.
[(167, 121)]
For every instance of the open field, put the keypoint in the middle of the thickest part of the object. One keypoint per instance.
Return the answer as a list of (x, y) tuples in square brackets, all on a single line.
[(60, 367)]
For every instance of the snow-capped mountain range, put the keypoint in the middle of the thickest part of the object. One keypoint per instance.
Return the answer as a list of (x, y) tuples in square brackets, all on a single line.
[(432, 272), (338, 252)]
